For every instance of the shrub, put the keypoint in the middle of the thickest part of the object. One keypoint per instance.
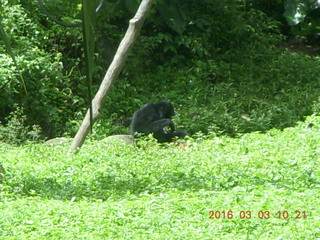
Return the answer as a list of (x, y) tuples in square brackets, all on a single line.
[(16, 131)]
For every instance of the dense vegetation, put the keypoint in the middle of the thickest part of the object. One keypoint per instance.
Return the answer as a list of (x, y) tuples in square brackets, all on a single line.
[(224, 64), (245, 86), (115, 191)]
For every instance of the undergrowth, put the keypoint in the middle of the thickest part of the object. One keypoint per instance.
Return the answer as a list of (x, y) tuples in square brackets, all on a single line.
[(116, 191)]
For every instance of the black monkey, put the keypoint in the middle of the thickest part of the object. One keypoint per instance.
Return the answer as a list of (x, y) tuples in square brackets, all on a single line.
[(155, 118)]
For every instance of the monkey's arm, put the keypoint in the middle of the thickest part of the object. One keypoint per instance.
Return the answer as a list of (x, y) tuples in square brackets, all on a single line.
[(161, 124)]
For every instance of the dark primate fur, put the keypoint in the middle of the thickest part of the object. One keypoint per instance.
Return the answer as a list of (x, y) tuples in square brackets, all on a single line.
[(155, 118)]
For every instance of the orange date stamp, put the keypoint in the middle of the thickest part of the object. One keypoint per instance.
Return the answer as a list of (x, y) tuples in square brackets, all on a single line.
[(257, 214)]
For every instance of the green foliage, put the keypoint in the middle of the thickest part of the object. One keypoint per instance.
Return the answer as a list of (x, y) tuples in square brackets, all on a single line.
[(250, 89), (106, 127), (184, 31), (303, 15), (316, 106), (115, 191), (249, 94), (16, 131), (48, 99), (217, 61), (296, 11), (5, 38), (48, 91)]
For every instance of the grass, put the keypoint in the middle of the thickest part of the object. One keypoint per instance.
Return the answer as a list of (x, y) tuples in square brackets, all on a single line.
[(114, 191)]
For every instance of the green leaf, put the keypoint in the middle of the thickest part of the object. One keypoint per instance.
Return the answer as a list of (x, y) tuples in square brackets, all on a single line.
[(88, 20)]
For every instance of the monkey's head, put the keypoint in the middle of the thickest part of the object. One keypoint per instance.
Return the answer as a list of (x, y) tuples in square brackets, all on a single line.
[(165, 109)]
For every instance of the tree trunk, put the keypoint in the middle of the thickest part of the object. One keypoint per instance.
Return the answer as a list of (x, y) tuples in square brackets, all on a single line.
[(114, 69)]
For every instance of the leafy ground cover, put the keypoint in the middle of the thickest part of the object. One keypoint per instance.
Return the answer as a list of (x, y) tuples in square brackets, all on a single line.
[(259, 186)]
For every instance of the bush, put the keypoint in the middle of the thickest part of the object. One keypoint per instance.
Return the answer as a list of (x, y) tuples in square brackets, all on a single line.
[(16, 131), (38, 85)]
